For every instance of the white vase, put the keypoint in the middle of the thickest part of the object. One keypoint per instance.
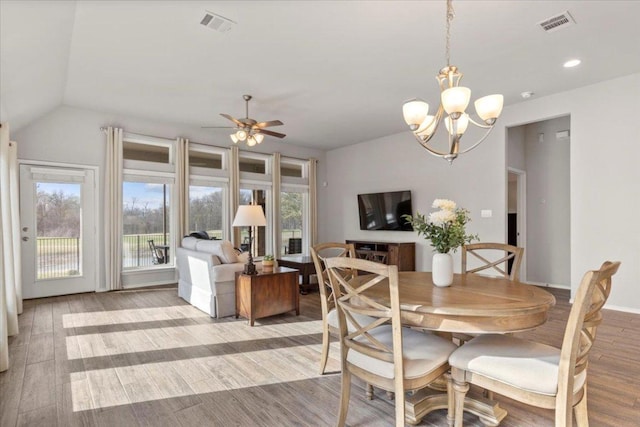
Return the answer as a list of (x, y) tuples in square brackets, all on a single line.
[(442, 269)]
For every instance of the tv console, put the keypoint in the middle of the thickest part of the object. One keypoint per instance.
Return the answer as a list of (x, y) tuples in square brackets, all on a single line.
[(402, 254)]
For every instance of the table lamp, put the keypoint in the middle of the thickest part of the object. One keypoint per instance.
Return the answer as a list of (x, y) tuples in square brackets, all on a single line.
[(249, 216)]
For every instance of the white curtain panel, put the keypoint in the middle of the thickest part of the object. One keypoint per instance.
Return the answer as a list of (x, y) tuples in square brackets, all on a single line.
[(182, 186), (10, 273), (313, 201), (234, 191), (113, 209), (277, 223)]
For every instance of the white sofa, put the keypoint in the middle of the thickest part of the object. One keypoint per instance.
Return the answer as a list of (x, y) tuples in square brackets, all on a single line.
[(206, 270)]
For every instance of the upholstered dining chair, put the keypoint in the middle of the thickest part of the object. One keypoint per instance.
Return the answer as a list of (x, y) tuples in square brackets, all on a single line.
[(486, 252), (381, 352), (327, 302), (538, 374)]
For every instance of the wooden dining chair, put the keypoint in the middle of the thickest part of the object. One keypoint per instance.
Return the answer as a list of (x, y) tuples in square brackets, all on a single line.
[(327, 302), (538, 374), (487, 252), (381, 352)]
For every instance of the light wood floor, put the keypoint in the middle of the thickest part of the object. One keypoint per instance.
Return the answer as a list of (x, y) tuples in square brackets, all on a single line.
[(147, 358)]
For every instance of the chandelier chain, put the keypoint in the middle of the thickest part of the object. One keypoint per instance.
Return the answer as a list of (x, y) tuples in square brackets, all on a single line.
[(450, 15)]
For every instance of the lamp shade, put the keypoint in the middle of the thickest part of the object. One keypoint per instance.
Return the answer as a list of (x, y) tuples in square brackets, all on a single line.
[(489, 107), (427, 127), (241, 135), (461, 124), (251, 141), (258, 137), (234, 138), (414, 112), (249, 215), (456, 99)]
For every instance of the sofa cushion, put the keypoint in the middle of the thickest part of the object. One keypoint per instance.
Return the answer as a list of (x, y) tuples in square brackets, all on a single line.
[(189, 243), (223, 249)]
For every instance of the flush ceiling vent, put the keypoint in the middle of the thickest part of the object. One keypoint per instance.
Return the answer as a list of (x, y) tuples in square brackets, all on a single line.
[(217, 22), (557, 22)]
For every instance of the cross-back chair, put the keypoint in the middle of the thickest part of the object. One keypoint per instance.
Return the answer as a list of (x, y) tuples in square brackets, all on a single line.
[(538, 374), (381, 352), (327, 302), (484, 251)]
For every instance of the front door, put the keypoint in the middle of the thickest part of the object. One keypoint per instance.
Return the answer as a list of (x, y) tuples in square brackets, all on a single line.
[(58, 230)]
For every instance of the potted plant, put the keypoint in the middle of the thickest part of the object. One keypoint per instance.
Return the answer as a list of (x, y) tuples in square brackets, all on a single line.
[(445, 229), (267, 263)]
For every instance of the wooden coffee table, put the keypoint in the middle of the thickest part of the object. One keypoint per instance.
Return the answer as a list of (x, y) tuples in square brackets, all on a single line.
[(305, 265), (267, 293)]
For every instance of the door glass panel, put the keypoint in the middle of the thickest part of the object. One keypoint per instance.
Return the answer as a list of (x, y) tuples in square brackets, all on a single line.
[(145, 224), (58, 230), (291, 211)]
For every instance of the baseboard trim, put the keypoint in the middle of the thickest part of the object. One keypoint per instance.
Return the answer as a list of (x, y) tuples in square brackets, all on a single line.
[(148, 284), (548, 285)]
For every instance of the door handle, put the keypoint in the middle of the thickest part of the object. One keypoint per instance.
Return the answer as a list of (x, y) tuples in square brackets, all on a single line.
[(25, 238)]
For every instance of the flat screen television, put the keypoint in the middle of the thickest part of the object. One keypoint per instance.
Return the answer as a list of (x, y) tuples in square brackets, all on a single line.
[(383, 211)]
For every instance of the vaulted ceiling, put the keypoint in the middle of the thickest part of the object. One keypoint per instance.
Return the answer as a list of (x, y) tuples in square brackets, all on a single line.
[(335, 72)]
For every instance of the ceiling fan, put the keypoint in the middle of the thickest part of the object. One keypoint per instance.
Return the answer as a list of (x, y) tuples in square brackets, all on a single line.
[(248, 129)]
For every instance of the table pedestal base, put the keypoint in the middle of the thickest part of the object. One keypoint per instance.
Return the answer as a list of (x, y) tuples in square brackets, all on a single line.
[(424, 401)]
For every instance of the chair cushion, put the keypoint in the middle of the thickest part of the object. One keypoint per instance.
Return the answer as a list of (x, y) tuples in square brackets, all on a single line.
[(423, 353), (523, 364), (223, 249)]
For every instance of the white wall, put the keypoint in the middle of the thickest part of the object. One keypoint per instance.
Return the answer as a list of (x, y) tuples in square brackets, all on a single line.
[(605, 199), (72, 135), (548, 250)]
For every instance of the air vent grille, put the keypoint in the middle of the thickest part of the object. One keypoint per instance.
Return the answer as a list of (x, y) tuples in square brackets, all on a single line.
[(217, 22), (557, 22)]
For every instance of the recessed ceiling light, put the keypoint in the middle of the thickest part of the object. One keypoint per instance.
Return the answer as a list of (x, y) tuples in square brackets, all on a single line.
[(572, 63)]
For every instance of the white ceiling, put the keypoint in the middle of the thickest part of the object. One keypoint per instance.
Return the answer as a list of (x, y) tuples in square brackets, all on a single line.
[(335, 72)]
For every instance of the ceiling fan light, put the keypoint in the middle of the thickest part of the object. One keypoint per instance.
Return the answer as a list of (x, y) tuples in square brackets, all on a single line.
[(456, 99), (259, 138), (414, 112), (251, 141), (460, 124), (234, 138), (241, 135), (489, 107)]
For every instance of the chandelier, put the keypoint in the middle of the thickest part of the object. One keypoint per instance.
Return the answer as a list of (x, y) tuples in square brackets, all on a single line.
[(454, 100)]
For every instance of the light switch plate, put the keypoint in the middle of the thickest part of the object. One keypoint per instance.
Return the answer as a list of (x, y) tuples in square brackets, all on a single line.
[(486, 213)]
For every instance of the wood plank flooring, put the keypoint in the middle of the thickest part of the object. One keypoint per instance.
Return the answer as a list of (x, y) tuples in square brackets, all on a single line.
[(147, 358)]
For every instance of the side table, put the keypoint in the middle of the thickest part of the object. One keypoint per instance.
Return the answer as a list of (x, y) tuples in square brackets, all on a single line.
[(267, 293)]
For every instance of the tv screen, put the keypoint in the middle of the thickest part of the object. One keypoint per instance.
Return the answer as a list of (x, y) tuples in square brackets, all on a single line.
[(383, 211)]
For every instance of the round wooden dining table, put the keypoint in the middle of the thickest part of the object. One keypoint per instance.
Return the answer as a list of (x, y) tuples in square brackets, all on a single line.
[(472, 304)]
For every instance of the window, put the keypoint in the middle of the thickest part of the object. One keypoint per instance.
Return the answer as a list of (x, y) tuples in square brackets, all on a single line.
[(148, 239), (255, 188), (294, 206), (208, 186)]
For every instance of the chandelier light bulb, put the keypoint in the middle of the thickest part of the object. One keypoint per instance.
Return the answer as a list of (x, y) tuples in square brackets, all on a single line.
[(241, 135), (258, 137), (456, 99), (414, 112), (460, 124), (489, 108), (427, 127), (234, 138)]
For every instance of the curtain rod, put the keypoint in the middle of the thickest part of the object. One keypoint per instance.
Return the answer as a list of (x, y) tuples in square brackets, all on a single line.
[(104, 129)]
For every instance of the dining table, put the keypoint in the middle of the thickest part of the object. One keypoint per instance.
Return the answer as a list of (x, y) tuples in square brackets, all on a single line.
[(472, 304)]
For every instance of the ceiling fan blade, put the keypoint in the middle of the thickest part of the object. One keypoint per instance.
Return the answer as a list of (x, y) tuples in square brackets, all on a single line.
[(269, 123), (271, 133), (228, 117)]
